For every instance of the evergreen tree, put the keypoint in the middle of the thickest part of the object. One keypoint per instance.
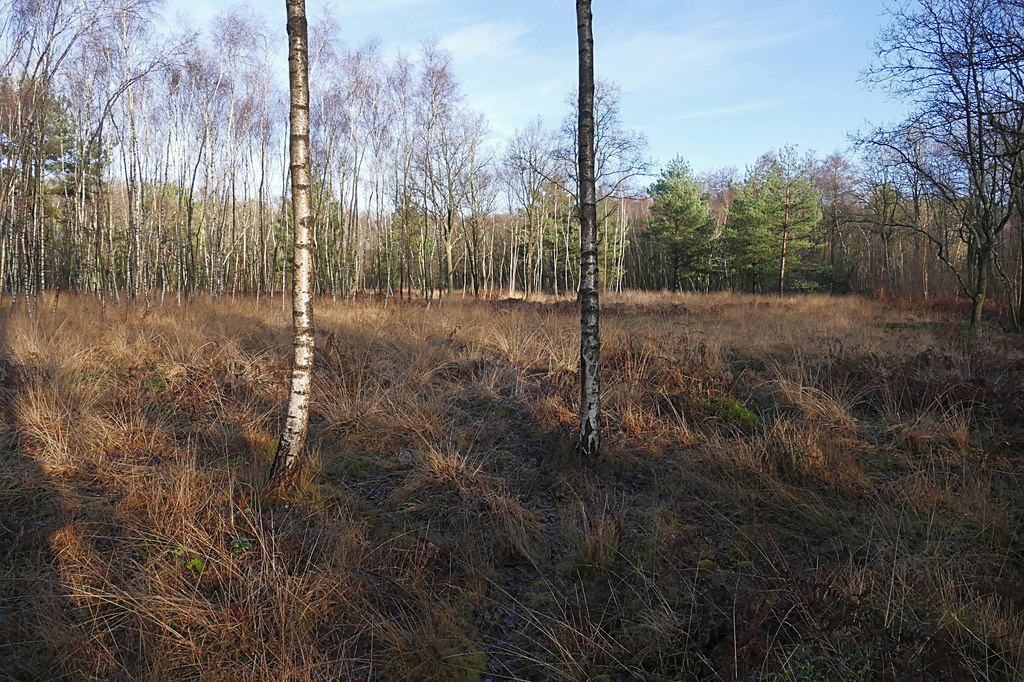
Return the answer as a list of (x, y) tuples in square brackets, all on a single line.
[(681, 220), (773, 220)]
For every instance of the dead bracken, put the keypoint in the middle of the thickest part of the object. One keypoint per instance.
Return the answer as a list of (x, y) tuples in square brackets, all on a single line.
[(864, 525)]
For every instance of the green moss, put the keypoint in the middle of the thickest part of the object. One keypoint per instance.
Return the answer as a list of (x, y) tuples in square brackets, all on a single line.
[(95, 376), (504, 412), (542, 596), (806, 666), (730, 410), (468, 667), (153, 383), (344, 464)]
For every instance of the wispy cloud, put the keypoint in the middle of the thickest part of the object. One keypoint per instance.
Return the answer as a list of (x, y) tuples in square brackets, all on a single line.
[(486, 40), (509, 108), (697, 44), (734, 110)]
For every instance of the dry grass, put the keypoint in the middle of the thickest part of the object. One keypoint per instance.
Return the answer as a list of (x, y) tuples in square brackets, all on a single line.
[(792, 488)]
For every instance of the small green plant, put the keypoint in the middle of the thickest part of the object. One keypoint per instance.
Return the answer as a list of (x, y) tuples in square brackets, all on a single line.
[(240, 545), (730, 410), (194, 564), (94, 376), (153, 383)]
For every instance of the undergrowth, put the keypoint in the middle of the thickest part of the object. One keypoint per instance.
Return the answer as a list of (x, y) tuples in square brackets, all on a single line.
[(795, 488)]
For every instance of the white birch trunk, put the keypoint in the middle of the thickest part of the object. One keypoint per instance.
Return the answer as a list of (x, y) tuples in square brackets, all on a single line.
[(589, 443), (293, 439)]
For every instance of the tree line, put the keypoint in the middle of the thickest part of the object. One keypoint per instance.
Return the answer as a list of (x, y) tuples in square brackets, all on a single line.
[(137, 163), (932, 205)]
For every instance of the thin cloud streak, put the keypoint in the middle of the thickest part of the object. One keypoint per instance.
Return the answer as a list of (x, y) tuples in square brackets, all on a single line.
[(487, 40), (698, 46), (735, 110), (716, 82)]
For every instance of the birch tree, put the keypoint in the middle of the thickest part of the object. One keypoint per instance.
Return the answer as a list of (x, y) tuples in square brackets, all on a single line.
[(589, 443), (293, 439)]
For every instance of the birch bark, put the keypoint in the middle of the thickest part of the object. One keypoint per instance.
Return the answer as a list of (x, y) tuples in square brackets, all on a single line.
[(589, 442), (293, 439)]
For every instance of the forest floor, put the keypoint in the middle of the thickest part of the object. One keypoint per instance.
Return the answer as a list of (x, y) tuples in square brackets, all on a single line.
[(799, 488)]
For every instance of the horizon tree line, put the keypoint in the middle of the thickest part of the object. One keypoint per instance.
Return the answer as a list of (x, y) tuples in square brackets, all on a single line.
[(136, 165)]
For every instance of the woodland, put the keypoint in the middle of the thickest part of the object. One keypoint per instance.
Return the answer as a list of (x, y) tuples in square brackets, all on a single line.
[(805, 451), (139, 164)]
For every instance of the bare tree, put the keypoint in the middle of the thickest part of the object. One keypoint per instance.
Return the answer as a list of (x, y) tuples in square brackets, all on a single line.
[(528, 165), (293, 439), (589, 443), (619, 153), (454, 153), (481, 196), (837, 181), (940, 55)]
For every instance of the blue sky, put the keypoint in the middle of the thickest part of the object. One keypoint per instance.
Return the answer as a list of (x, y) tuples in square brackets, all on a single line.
[(718, 83)]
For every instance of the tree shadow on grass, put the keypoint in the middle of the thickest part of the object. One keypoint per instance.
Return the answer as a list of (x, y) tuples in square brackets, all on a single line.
[(101, 455), (33, 607)]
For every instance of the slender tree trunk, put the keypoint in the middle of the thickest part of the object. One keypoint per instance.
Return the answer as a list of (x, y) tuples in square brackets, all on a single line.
[(448, 246), (554, 251), (589, 442), (1020, 291), (1020, 262), (677, 285), (293, 439), (785, 245), (981, 288)]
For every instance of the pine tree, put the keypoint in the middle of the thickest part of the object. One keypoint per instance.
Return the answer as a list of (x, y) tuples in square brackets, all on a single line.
[(773, 219), (680, 219)]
